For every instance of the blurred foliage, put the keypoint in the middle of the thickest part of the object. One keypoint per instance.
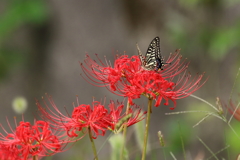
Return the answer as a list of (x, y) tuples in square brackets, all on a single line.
[(116, 142), (217, 42), (19, 12), (233, 140), (16, 14), (8, 58), (207, 30), (197, 116), (139, 135), (202, 3), (178, 136), (223, 40)]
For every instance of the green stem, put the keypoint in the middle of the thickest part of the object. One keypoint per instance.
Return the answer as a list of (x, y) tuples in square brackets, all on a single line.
[(35, 157), (207, 148), (184, 153), (204, 101), (93, 145), (124, 134), (164, 153), (233, 87), (146, 129)]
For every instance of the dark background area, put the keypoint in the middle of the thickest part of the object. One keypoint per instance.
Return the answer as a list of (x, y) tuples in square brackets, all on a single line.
[(43, 41)]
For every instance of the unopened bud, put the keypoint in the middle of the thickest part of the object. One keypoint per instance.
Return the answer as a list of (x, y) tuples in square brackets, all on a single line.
[(161, 140)]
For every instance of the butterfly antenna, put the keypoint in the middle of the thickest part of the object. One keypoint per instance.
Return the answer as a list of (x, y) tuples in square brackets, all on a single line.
[(140, 53)]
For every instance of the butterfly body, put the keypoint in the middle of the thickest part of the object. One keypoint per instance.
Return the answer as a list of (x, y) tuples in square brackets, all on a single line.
[(160, 64), (153, 59)]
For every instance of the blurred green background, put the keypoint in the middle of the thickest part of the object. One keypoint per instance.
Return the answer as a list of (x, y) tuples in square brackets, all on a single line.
[(43, 41)]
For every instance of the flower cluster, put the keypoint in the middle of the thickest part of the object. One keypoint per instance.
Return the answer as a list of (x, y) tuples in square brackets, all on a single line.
[(128, 78), (95, 116), (45, 138), (27, 141)]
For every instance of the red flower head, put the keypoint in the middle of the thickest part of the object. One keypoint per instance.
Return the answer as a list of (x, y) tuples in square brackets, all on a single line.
[(129, 79), (109, 76), (119, 119), (31, 140), (94, 117), (83, 117), (8, 153)]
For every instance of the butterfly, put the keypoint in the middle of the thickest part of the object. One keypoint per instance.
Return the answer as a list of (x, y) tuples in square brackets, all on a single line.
[(153, 59)]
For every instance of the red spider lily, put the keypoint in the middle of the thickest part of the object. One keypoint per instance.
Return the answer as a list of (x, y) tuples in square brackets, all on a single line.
[(8, 153), (129, 79), (119, 119), (29, 140), (234, 110), (107, 75), (83, 116), (95, 117)]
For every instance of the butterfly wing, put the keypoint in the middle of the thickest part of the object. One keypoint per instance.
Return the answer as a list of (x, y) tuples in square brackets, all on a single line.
[(153, 58), (159, 58), (151, 54)]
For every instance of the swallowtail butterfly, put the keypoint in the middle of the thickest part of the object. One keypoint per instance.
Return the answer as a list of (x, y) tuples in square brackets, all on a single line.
[(153, 58)]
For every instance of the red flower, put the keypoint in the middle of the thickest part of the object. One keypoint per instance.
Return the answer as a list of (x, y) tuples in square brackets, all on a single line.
[(31, 140), (82, 117), (119, 119), (8, 153), (96, 117), (129, 79), (107, 75)]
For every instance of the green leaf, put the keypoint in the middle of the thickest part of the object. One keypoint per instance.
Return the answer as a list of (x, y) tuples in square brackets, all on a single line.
[(116, 142), (139, 132)]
